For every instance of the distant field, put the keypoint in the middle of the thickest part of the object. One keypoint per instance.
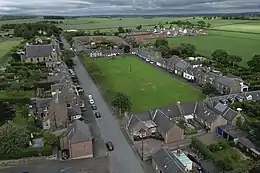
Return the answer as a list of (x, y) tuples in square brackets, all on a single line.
[(253, 27), (244, 45), (106, 23), (6, 46), (147, 86)]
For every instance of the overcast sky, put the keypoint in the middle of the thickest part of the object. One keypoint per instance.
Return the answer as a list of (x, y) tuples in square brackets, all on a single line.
[(110, 7)]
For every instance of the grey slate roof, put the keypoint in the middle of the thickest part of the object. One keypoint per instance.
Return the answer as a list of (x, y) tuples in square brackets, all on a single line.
[(228, 81), (57, 86), (246, 142), (228, 113), (187, 108), (205, 113), (79, 132), (74, 110), (171, 111), (38, 50), (164, 124), (165, 162), (182, 64), (42, 103), (233, 131)]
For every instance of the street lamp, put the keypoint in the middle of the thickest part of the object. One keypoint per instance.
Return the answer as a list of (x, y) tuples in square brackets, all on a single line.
[(142, 131)]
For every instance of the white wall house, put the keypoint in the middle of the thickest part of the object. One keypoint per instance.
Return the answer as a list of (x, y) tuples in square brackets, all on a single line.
[(188, 76)]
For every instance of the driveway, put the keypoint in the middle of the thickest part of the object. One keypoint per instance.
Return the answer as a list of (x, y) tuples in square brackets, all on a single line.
[(123, 157)]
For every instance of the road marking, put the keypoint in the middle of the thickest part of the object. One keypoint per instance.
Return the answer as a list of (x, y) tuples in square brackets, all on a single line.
[(65, 169)]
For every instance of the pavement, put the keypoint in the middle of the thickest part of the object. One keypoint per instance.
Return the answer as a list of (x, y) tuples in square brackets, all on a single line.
[(123, 158), (92, 165)]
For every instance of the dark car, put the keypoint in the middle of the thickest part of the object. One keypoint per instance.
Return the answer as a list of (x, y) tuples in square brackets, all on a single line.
[(110, 146), (94, 107), (98, 115)]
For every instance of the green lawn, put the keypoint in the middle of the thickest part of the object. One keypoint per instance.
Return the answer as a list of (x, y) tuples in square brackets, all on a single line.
[(6, 44), (241, 44), (147, 86)]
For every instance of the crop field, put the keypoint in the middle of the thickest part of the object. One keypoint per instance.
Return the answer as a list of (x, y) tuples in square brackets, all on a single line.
[(147, 86), (6, 44), (253, 27), (110, 23), (241, 44)]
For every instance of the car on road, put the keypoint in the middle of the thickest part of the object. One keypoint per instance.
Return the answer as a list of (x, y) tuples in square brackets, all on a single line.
[(98, 115), (84, 109), (90, 96), (91, 101), (110, 146), (77, 117), (94, 107)]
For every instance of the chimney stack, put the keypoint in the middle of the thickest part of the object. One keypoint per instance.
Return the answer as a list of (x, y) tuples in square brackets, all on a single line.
[(178, 152)]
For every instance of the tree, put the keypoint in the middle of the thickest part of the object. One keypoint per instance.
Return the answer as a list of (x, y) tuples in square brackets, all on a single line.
[(122, 103), (121, 29), (208, 25), (201, 24), (139, 27), (126, 48), (155, 27), (235, 59), (13, 139), (164, 51), (50, 138), (188, 49), (208, 89), (221, 56), (254, 63), (161, 42)]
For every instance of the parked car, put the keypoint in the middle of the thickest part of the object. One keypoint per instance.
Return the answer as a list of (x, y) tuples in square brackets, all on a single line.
[(98, 115), (110, 146), (77, 117), (90, 96), (91, 101), (94, 107), (84, 109)]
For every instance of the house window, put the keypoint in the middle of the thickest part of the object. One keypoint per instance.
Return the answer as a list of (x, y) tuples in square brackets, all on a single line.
[(68, 105), (37, 60)]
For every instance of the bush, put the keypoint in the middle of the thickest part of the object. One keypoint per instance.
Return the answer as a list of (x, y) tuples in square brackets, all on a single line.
[(203, 149), (47, 150), (30, 152)]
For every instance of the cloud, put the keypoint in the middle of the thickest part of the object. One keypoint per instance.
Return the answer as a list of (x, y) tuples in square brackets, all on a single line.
[(106, 7)]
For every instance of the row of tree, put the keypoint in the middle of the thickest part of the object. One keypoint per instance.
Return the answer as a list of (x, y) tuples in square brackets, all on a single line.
[(29, 30)]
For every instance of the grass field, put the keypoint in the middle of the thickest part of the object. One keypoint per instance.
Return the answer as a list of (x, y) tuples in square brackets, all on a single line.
[(253, 27), (6, 46), (148, 87), (241, 44)]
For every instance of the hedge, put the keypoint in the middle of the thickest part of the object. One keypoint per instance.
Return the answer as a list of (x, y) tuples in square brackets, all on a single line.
[(203, 149), (31, 152)]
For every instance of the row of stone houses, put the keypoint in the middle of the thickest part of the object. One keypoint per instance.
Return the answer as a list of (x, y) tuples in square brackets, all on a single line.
[(194, 71), (58, 111)]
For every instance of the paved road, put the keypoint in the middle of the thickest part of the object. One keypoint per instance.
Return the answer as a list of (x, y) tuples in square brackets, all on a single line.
[(123, 157), (93, 165)]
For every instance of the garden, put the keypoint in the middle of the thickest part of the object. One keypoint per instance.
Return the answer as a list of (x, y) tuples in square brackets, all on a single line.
[(222, 154), (147, 86)]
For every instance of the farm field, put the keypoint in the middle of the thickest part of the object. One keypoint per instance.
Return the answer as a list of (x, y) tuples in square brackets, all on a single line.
[(253, 27), (241, 44), (6, 44), (147, 86)]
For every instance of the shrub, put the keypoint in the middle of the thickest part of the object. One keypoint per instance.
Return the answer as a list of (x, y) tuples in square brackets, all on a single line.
[(30, 152), (203, 149), (47, 150)]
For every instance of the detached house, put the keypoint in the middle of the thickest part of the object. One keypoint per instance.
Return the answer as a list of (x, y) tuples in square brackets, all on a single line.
[(77, 143), (154, 122), (41, 53)]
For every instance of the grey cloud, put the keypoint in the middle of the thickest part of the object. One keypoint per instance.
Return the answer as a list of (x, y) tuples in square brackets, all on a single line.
[(109, 7)]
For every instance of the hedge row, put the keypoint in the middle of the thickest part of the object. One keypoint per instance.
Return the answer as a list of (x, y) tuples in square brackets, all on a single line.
[(31, 152)]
